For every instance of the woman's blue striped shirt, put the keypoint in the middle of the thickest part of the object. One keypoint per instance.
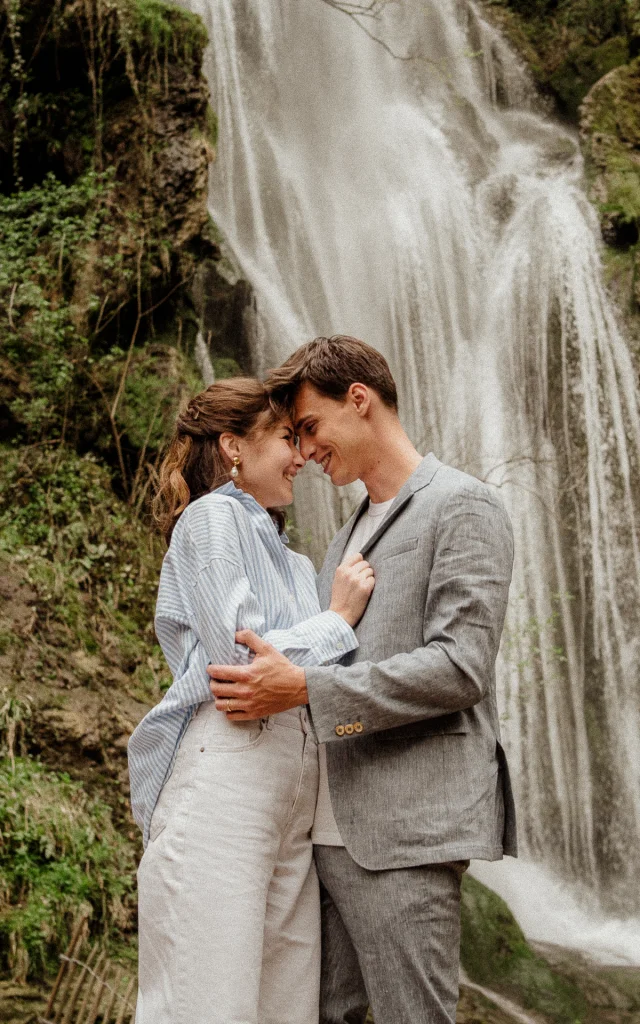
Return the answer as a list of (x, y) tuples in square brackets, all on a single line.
[(226, 569)]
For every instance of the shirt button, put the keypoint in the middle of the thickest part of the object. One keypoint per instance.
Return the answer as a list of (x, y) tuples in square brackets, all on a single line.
[(358, 727), (339, 730), (340, 645), (349, 729)]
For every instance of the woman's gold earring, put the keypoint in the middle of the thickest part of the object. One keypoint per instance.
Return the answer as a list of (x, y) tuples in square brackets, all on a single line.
[(234, 468)]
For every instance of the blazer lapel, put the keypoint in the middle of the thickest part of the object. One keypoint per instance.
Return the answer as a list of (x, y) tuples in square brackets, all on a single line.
[(420, 478), (392, 514), (349, 527), (335, 553)]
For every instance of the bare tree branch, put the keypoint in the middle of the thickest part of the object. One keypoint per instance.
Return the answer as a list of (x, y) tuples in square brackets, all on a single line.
[(373, 10)]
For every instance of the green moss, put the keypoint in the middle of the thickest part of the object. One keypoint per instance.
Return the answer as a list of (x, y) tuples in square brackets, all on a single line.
[(223, 367), (584, 65), (211, 123), (568, 44), (610, 127), (162, 24), (495, 953), (60, 855), (90, 561)]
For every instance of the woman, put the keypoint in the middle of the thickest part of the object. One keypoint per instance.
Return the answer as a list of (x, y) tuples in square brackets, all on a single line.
[(228, 900)]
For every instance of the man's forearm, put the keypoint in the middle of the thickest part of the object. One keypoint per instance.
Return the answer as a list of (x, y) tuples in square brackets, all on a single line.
[(405, 688)]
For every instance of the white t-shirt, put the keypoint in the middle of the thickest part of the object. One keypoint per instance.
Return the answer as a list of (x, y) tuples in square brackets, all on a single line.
[(325, 831)]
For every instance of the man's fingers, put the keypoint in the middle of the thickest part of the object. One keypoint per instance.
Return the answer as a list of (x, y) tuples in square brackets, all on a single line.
[(232, 690), (363, 568), (253, 641), (351, 560), (234, 673)]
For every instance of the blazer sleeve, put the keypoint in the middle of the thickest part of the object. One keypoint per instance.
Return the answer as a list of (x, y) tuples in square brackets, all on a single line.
[(463, 619)]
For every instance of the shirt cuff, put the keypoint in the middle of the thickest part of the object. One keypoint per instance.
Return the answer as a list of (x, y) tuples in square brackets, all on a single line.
[(338, 638), (321, 640)]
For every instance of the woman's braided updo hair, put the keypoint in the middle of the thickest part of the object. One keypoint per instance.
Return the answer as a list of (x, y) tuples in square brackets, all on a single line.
[(194, 464)]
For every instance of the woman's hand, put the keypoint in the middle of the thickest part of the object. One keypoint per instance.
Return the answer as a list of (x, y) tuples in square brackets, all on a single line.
[(353, 584)]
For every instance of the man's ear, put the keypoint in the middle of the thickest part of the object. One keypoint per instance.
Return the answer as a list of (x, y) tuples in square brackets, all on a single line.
[(229, 445), (360, 396)]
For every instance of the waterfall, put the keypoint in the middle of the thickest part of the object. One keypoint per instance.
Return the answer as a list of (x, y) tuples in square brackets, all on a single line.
[(414, 193)]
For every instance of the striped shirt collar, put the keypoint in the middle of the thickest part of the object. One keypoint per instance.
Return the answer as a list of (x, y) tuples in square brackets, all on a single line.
[(264, 523)]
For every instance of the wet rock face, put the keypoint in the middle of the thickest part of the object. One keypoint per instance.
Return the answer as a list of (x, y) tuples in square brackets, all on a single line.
[(78, 718), (162, 148), (225, 305)]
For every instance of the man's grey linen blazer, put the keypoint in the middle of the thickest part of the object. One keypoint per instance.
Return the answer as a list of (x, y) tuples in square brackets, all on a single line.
[(416, 771)]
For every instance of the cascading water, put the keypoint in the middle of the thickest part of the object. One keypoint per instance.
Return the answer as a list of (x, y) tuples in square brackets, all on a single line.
[(420, 202)]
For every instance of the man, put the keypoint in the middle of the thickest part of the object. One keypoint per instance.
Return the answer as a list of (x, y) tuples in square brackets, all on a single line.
[(413, 778)]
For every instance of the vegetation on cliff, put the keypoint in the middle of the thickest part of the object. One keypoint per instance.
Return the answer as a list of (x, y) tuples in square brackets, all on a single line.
[(569, 44), (105, 140)]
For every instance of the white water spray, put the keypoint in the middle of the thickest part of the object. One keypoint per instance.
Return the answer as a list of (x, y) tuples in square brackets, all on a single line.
[(423, 205)]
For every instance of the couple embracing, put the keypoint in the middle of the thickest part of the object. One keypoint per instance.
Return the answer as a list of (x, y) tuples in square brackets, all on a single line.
[(347, 770)]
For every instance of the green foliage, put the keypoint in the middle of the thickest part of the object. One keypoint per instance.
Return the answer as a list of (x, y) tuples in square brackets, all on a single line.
[(496, 953), (46, 234), (60, 855), (159, 379), (95, 337), (103, 51), (162, 24), (224, 366), (611, 123), (65, 274), (569, 44), (92, 563)]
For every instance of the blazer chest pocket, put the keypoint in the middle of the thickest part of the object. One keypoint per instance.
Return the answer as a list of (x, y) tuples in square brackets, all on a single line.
[(399, 549)]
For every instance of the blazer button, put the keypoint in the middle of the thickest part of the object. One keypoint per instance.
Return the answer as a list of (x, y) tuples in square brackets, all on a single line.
[(358, 727), (339, 730), (349, 729)]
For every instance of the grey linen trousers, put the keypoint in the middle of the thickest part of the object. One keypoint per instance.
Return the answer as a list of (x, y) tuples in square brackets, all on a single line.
[(404, 924)]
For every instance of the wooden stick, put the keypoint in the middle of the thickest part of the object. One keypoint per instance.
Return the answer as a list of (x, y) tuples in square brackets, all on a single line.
[(63, 964), (115, 988), (99, 987), (126, 1005), (89, 986), (85, 969)]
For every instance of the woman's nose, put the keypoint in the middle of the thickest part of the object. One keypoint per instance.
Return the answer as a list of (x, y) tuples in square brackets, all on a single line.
[(299, 459)]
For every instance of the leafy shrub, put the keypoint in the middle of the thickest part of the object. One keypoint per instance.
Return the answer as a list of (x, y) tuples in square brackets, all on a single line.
[(92, 563), (60, 855)]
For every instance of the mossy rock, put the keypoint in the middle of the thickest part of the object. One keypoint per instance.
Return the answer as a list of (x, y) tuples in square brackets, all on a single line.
[(496, 954), (610, 130), (568, 44), (583, 66)]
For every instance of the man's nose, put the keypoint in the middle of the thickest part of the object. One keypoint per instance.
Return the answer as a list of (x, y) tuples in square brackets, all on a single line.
[(307, 449)]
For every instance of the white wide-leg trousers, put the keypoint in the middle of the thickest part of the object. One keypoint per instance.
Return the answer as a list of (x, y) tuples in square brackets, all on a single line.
[(229, 917)]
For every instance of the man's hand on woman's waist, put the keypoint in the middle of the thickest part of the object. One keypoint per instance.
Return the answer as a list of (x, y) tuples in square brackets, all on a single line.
[(269, 684)]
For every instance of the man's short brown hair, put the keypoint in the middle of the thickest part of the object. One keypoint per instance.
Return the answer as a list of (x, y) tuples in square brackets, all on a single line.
[(331, 366)]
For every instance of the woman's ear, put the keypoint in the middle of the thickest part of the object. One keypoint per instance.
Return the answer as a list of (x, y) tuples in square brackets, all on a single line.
[(229, 445)]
